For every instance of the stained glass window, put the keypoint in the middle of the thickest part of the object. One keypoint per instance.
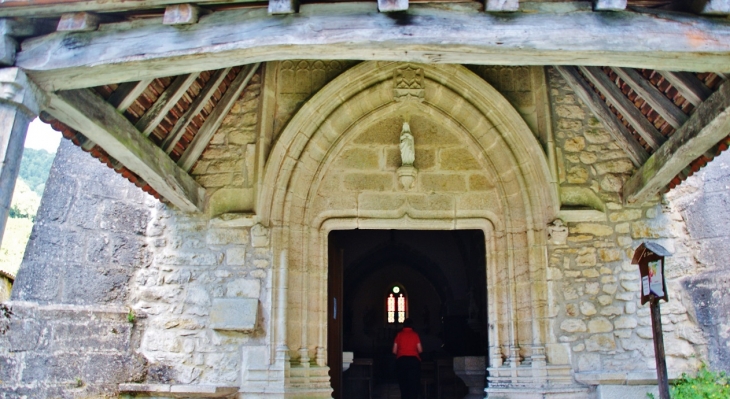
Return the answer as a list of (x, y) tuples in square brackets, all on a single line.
[(396, 305)]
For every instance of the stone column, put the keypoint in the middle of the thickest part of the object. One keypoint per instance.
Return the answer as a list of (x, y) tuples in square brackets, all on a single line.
[(18, 106)]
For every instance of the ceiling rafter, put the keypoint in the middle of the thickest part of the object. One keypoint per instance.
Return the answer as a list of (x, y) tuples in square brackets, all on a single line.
[(85, 111), (708, 126), (154, 115), (688, 86), (656, 99), (615, 97)]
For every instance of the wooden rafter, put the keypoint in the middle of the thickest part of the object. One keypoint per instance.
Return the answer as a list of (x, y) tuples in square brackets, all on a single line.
[(688, 85), (197, 105), (613, 125), (88, 113), (615, 97), (124, 96), (214, 120), (358, 32), (656, 99), (154, 115), (708, 125)]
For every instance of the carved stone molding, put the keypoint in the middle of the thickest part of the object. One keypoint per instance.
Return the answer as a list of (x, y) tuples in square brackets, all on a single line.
[(259, 236), (557, 232), (408, 84)]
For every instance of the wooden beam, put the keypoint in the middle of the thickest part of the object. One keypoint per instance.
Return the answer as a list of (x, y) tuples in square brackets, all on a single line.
[(615, 97), (688, 85), (44, 8), (164, 103), (501, 5), (214, 120), (618, 131), (655, 98), (712, 7), (78, 22), (88, 113), (709, 124), (356, 31), (181, 14), (126, 93), (197, 105), (392, 5), (609, 5)]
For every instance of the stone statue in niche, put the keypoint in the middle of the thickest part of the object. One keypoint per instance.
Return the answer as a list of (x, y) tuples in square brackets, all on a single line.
[(407, 149), (557, 232), (259, 236), (407, 172)]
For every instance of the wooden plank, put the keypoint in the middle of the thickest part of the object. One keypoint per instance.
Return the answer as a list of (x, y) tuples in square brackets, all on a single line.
[(88, 113), (277, 7), (8, 47), (609, 5), (392, 5), (356, 31), (78, 22), (214, 120), (688, 85), (181, 14), (712, 7), (709, 124), (615, 97), (197, 105), (618, 131), (501, 5), (126, 93), (54, 8), (154, 115), (656, 99)]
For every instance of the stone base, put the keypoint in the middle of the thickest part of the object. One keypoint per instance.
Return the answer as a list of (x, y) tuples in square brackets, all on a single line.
[(625, 391), (556, 393)]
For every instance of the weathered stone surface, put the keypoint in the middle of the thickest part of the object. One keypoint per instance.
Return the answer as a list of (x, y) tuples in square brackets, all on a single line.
[(573, 325), (237, 314), (599, 325)]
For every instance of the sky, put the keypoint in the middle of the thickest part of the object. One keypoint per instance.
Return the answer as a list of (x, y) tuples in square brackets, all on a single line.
[(42, 136)]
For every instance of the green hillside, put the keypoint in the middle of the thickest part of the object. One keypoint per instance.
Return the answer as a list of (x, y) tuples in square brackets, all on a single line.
[(34, 168)]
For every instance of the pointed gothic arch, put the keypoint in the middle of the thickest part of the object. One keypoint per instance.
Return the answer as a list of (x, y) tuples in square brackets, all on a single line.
[(301, 213)]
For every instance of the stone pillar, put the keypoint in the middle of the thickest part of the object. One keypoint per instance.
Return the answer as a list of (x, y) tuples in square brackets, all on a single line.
[(18, 106)]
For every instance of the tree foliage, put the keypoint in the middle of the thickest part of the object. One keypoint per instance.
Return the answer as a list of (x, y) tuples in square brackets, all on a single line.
[(34, 168)]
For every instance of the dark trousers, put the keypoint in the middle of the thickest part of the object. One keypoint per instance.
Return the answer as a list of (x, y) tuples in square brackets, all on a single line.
[(409, 376)]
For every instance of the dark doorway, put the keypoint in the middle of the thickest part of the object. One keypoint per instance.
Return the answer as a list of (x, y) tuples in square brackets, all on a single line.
[(377, 277)]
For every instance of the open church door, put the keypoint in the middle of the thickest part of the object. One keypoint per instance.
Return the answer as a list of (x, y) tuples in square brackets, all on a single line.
[(334, 316)]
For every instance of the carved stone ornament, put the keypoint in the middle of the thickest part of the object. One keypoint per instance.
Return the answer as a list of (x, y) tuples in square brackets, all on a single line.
[(557, 232), (259, 236), (408, 84)]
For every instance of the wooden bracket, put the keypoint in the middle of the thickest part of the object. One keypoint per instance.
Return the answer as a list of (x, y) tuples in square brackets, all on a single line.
[(712, 7), (181, 14), (501, 5), (609, 5), (78, 21), (283, 6), (392, 5)]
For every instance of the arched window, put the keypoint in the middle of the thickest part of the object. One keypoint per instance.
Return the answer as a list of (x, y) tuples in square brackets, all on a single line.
[(396, 304)]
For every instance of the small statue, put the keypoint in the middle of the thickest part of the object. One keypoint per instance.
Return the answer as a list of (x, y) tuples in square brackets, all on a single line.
[(407, 148), (557, 232)]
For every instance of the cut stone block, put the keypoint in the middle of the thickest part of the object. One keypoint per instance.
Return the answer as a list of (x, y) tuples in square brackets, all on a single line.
[(234, 314)]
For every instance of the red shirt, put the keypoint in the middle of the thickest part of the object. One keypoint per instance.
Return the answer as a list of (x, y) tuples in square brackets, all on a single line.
[(407, 341)]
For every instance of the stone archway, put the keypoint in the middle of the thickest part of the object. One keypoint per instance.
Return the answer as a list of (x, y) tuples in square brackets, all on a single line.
[(316, 181)]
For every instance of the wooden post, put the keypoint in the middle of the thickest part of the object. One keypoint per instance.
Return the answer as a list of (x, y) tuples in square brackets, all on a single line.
[(661, 361), (17, 108)]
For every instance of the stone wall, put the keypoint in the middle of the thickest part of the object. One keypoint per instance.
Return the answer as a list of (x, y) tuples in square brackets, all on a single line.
[(595, 289), (703, 201), (69, 333)]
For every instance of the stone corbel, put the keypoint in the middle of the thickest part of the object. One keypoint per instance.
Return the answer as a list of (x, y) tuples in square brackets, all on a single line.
[(557, 232)]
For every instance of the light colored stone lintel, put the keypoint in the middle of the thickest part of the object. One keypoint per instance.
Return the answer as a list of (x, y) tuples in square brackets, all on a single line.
[(587, 215), (234, 220), (179, 391)]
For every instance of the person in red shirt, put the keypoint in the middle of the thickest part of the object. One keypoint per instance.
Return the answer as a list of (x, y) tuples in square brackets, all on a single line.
[(407, 349)]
